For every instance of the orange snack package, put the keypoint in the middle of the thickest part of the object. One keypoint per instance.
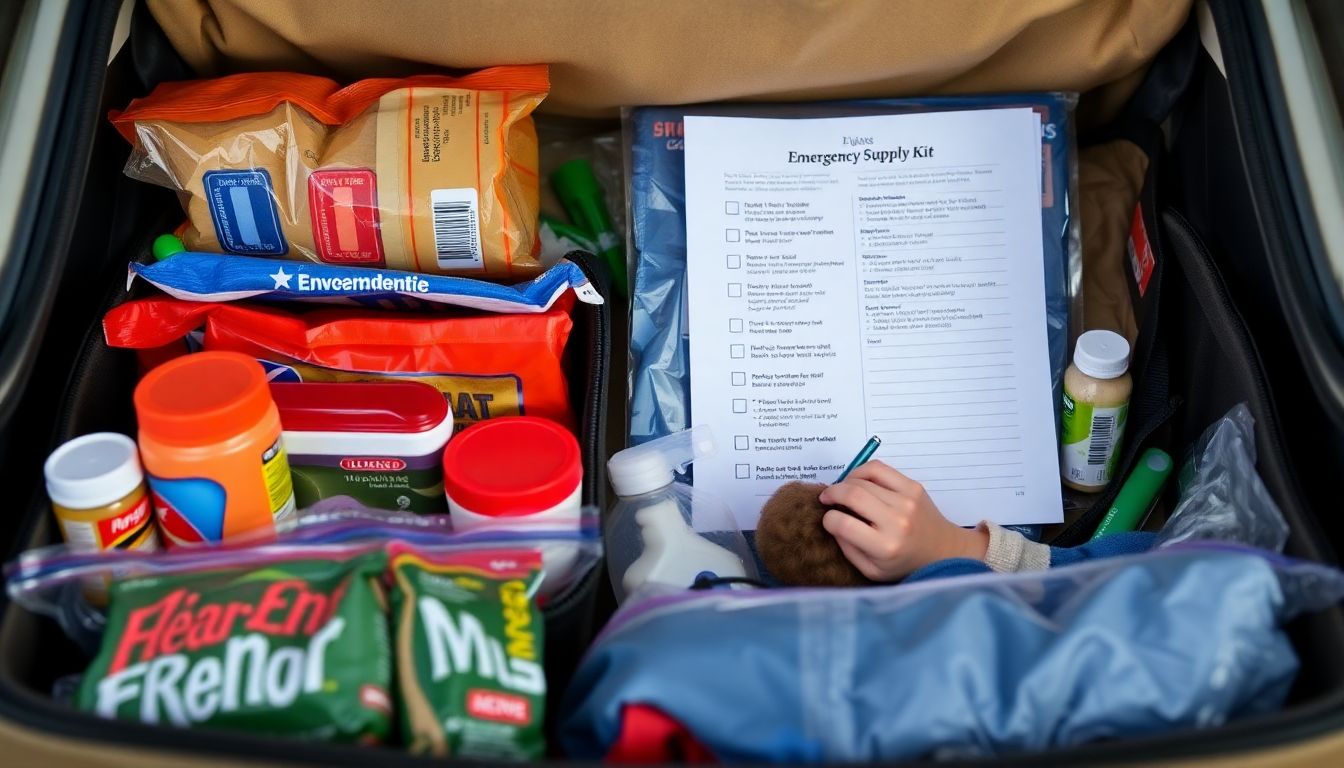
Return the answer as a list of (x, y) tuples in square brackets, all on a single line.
[(427, 174), (486, 365)]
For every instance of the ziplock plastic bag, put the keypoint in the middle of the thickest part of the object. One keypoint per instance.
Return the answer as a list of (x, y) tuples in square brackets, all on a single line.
[(567, 552), (1222, 496), (214, 277), (426, 174), (974, 666), (50, 580), (660, 381)]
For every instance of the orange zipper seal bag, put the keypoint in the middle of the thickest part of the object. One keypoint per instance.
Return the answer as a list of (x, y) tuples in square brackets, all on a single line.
[(429, 174)]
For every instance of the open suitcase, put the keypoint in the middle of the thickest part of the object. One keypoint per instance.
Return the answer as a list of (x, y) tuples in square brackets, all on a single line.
[(1211, 160)]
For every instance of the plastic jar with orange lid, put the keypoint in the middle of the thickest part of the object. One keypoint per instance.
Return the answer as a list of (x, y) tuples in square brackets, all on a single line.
[(210, 442)]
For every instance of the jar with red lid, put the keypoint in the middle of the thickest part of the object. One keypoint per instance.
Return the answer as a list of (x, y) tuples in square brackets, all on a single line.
[(513, 469)]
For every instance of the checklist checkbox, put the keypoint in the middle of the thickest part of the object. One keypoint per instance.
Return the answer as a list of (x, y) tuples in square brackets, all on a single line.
[(737, 351), (732, 208), (741, 443), (739, 378), (734, 325), (739, 405), (732, 235), (734, 290), (743, 472), (734, 261)]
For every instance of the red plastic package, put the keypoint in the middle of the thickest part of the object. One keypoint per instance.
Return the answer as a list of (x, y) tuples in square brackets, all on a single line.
[(485, 365)]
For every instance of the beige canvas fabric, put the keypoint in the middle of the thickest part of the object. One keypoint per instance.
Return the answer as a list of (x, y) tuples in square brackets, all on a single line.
[(609, 53), (605, 54)]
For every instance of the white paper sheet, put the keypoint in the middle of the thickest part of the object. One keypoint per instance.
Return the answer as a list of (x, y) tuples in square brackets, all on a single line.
[(872, 276)]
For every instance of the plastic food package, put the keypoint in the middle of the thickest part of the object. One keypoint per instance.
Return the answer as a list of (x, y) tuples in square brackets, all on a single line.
[(485, 365), (288, 644), (1221, 495), (660, 377), (293, 638), (969, 667), (215, 277), (49, 580), (426, 174), (469, 641), (568, 551)]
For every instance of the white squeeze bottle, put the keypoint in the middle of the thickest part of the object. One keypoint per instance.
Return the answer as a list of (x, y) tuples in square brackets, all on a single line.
[(662, 534)]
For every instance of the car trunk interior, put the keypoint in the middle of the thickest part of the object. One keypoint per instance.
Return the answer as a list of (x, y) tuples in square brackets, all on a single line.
[(1201, 219)]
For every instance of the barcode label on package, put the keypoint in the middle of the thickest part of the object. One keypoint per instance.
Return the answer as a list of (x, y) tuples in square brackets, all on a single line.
[(1100, 450), (1089, 440), (457, 228)]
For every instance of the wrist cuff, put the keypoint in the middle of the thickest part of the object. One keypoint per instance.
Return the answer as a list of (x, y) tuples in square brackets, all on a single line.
[(1010, 551)]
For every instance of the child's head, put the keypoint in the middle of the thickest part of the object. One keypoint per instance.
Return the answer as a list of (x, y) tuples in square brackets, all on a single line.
[(795, 548)]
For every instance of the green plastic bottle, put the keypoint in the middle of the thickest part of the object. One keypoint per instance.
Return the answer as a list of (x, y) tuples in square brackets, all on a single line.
[(581, 195), (1138, 494), (166, 246)]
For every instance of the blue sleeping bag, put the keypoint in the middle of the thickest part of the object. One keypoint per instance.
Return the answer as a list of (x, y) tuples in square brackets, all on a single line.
[(982, 665)]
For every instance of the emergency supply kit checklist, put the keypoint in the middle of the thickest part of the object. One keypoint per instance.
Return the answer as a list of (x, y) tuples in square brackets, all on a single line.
[(879, 276)]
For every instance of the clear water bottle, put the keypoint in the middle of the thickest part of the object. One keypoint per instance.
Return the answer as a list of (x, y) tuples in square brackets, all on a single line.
[(663, 535)]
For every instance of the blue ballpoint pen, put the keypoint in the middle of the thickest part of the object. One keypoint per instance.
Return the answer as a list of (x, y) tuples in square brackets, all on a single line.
[(865, 453)]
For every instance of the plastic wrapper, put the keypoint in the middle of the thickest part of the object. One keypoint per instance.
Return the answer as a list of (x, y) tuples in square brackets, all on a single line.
[(977, 666), (659, 349), (1221, 495), (468, 639), (49, 580), (564, 139), (485, 365), (557, 242), (426, 174), (567, 552), (279, 642), (216, 277), (589, 216)]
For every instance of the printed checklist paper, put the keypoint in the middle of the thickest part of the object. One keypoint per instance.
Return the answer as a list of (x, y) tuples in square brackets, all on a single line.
[(872, 276)]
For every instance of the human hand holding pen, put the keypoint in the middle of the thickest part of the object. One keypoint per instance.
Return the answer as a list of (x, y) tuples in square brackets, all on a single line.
[(893, 528)]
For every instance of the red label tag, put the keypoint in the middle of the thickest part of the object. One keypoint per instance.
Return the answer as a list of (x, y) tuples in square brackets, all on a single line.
[(374, 698), (499, 707), (1141, 258), (343, 204), (113, 530)]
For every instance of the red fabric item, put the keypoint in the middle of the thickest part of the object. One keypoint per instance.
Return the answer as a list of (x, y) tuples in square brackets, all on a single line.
[(650, 736)]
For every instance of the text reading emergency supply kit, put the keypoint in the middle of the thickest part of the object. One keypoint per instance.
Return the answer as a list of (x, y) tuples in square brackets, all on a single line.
[(358, 502)]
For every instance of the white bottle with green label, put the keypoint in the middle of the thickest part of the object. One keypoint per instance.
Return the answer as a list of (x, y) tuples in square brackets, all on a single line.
[(1096, 401)]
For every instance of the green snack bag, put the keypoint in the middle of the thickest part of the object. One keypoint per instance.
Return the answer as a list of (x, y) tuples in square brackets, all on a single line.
[(469, 642), (294, 643)]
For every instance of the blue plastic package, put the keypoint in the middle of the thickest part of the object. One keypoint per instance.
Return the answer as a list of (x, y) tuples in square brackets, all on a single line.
[(214, 277), (660, 383)]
